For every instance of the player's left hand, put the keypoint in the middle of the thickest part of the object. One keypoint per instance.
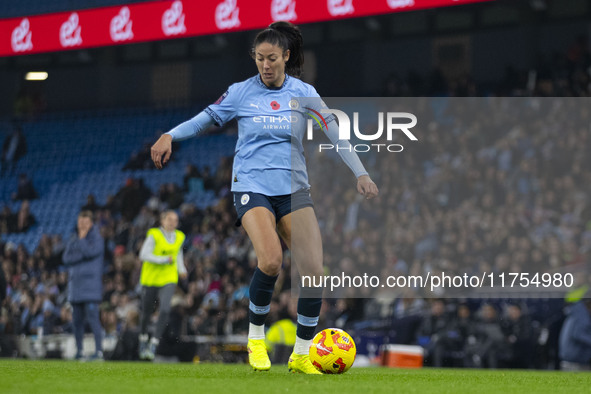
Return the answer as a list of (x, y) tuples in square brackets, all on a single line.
[(367, 187)]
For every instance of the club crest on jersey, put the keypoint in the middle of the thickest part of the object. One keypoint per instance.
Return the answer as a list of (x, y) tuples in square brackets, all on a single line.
[(244, 199), (293, 104)]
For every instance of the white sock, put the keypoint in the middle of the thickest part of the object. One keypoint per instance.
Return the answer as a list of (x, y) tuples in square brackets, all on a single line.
[(256, 332), (155, 341), (144, 337), (302, 346)]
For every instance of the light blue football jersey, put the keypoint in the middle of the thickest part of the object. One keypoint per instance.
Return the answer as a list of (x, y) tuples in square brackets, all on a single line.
[(269, 156)]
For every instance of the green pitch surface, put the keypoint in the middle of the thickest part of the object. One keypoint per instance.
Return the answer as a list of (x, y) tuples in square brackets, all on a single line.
[(21, 376)]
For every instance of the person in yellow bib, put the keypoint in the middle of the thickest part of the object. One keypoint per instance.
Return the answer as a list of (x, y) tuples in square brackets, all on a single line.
[(162, 257)]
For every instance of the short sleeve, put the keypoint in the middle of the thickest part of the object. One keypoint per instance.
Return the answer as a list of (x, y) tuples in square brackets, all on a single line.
[(224, 109)]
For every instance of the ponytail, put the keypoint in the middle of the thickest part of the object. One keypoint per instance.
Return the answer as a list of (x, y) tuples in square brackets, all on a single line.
[(286, 35)]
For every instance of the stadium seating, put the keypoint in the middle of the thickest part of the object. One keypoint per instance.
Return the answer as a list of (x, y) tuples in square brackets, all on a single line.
[(65, 168)]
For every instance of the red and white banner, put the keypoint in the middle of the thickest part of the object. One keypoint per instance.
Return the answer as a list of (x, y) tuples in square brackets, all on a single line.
[(158, 20)]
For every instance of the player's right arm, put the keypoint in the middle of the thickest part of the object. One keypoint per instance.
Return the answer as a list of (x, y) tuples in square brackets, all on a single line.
[(217, 113), (162, 149)]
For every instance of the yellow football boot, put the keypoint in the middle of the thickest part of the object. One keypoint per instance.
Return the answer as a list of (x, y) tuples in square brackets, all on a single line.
[(300, 363), (257, 355)]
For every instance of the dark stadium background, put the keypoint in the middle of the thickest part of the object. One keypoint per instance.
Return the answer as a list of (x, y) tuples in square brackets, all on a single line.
[(489, 43), (89, 125)]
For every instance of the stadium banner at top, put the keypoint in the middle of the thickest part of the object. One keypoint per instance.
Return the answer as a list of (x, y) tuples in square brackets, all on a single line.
[(159, 20)]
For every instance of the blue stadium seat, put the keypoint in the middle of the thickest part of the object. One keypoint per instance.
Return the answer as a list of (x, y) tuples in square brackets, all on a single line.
[(66, 169)]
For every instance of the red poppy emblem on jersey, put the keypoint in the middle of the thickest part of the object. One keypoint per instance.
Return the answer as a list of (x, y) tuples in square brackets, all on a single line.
[(275, 105)]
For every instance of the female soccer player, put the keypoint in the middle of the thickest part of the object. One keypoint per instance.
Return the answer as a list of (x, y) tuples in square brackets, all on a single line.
[(162, 257), (270, 204)]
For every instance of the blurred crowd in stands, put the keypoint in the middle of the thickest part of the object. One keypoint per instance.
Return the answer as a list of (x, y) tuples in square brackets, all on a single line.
[(506, 193), (557, 74), (500, 193)]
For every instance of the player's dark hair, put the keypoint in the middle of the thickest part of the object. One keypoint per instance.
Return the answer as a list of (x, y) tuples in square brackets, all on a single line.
[(286, 36)]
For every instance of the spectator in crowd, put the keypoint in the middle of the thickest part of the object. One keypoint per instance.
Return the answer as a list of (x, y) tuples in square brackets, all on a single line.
[(406, 317), (7, 220), (24, 218), (432, 333), (209, 183), (145, 220), (460, 329), (575, 338), (451, 341), (171, 195), (110, 321), (518, 332), (91, 204), (238, 318), (3, 287), (127, 198), (132, 197), (8, 346), (25, 189), (142, 160), (172, 344), (31, 318), (192, 181), (127, 348), (139, 160), (486, 345), (50, 319), (84, 257), (13, 149), (64, 324)]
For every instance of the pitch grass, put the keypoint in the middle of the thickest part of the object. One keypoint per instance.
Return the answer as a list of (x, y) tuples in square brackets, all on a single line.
[(23, 376)]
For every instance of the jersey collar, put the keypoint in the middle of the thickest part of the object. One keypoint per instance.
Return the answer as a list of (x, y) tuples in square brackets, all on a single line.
[(261, 83)]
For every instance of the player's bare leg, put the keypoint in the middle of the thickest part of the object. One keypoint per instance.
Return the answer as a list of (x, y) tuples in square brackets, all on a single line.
[(259, 223), (301, 233)]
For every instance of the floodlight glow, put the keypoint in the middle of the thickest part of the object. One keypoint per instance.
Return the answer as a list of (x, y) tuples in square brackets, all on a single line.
[(36, 76)]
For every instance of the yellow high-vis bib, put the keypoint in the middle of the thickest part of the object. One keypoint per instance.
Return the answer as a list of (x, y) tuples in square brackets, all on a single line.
[(158, 275)]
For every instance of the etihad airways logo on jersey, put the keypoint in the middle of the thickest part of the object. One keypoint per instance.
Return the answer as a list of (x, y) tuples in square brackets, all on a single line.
[(395, 121), (275, 122)]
